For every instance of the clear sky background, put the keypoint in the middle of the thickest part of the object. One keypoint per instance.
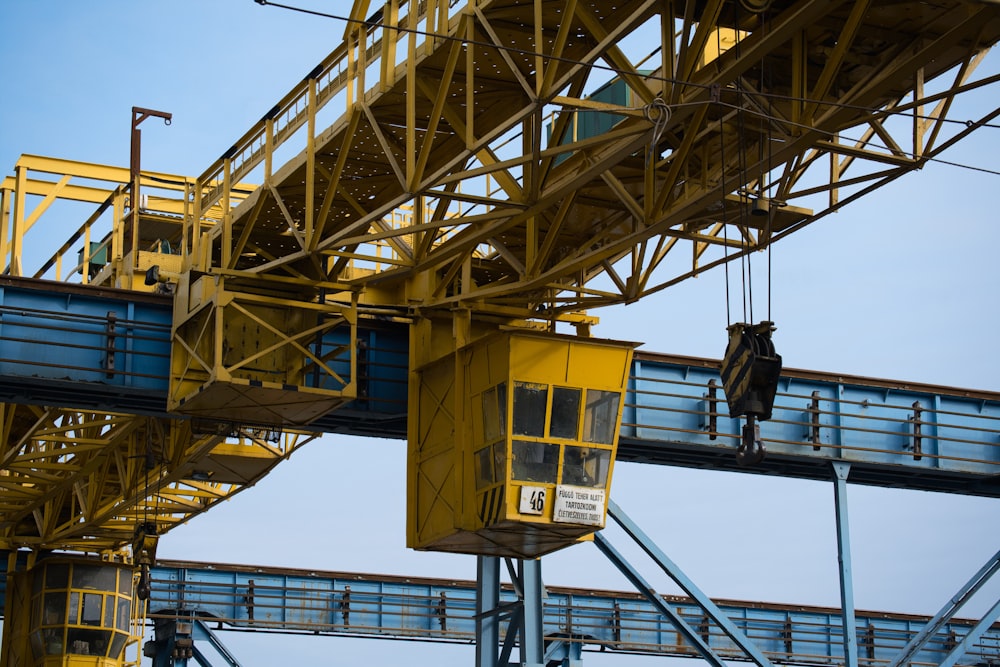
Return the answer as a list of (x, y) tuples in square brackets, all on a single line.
[(901, 285)]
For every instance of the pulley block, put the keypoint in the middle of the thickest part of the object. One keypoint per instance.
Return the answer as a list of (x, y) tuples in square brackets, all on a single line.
[(750, 372)]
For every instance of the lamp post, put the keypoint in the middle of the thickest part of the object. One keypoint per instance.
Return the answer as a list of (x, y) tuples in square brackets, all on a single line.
[(139, 114)]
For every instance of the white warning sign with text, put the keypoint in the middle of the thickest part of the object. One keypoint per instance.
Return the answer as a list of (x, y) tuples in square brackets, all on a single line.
[(579, 504)]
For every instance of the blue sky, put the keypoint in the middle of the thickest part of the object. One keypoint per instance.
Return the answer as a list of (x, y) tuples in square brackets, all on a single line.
[(900, 285)]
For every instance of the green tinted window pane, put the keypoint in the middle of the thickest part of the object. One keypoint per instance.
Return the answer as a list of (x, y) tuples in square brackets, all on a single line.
[(109, 610), (37, 583), (484, 467), (491, 416), (55, 608), (95, 577), (53, 640), (37, 644), (74, 608), (565, 413), (57, 576), (91, 609), (586, 466), (529, 408), (124, 612), (125, 582), (499, 462), (84, 641), (535, 461), (601, 416), (502, 402), (117, 645), (502, 407)]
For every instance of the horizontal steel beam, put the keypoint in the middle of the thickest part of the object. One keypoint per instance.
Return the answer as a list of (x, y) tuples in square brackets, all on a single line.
[(97, 348), (300, 601)]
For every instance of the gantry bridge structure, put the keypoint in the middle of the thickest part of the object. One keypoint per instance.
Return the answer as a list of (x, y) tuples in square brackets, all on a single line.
[(450, 173)]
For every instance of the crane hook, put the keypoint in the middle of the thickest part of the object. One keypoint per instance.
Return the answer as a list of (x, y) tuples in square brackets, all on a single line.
[(751, 450)]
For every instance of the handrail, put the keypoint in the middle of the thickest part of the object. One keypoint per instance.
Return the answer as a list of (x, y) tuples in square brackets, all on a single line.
[(949, 442), (343, 67), (287, 600)]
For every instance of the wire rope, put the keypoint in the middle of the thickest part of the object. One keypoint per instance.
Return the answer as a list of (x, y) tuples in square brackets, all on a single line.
[(875, 112)]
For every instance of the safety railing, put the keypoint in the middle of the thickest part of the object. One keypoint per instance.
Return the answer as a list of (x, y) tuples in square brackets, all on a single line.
[(292, 601), (84, 337), (822, 417), (344, 70), (897, 433)]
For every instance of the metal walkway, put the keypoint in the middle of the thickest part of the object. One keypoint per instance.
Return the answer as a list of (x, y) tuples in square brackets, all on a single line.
[(92, 348), (282, 600)]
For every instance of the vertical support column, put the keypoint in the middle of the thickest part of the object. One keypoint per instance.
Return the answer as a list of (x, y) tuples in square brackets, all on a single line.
[(16, 612), (532, 634), (470, 83), (390, 39), (835, 167), (524, 617), (226, 238), (17, 227), (841, 470), (487, 601), (411, 104), (919, 122), (117, 250), (139, 114), (5, 203), (310, 200)]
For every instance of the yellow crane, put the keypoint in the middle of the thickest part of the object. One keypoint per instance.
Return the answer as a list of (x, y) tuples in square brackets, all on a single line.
[(486, 172)]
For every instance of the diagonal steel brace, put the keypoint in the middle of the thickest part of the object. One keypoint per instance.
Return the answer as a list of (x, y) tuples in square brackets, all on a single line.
[(712, 610)]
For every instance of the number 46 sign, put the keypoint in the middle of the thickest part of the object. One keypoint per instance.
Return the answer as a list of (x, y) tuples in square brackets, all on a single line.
[(532, 500)]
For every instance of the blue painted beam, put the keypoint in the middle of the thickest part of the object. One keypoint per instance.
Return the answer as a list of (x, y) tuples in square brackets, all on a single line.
[(63, 343), (892, 433), (346, 604), (55, 340), (840, 472)]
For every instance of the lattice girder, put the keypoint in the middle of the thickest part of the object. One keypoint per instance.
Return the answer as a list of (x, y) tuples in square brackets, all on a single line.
[(806, 99), (84, 481)]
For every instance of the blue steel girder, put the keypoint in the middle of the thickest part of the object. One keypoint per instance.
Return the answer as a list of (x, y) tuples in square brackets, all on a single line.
[(59, 339), (840, 472), (891, 432), (55, 341), (518, 621), (350, 604)]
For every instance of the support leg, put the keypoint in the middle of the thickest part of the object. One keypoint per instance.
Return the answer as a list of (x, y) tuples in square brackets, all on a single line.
[(487, 601), (841, 470), (524, 617), (532, 636)]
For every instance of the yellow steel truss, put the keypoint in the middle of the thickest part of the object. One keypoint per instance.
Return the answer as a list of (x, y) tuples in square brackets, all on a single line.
[(442, 169), (84, 481), (743, 128), (41, 184)]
